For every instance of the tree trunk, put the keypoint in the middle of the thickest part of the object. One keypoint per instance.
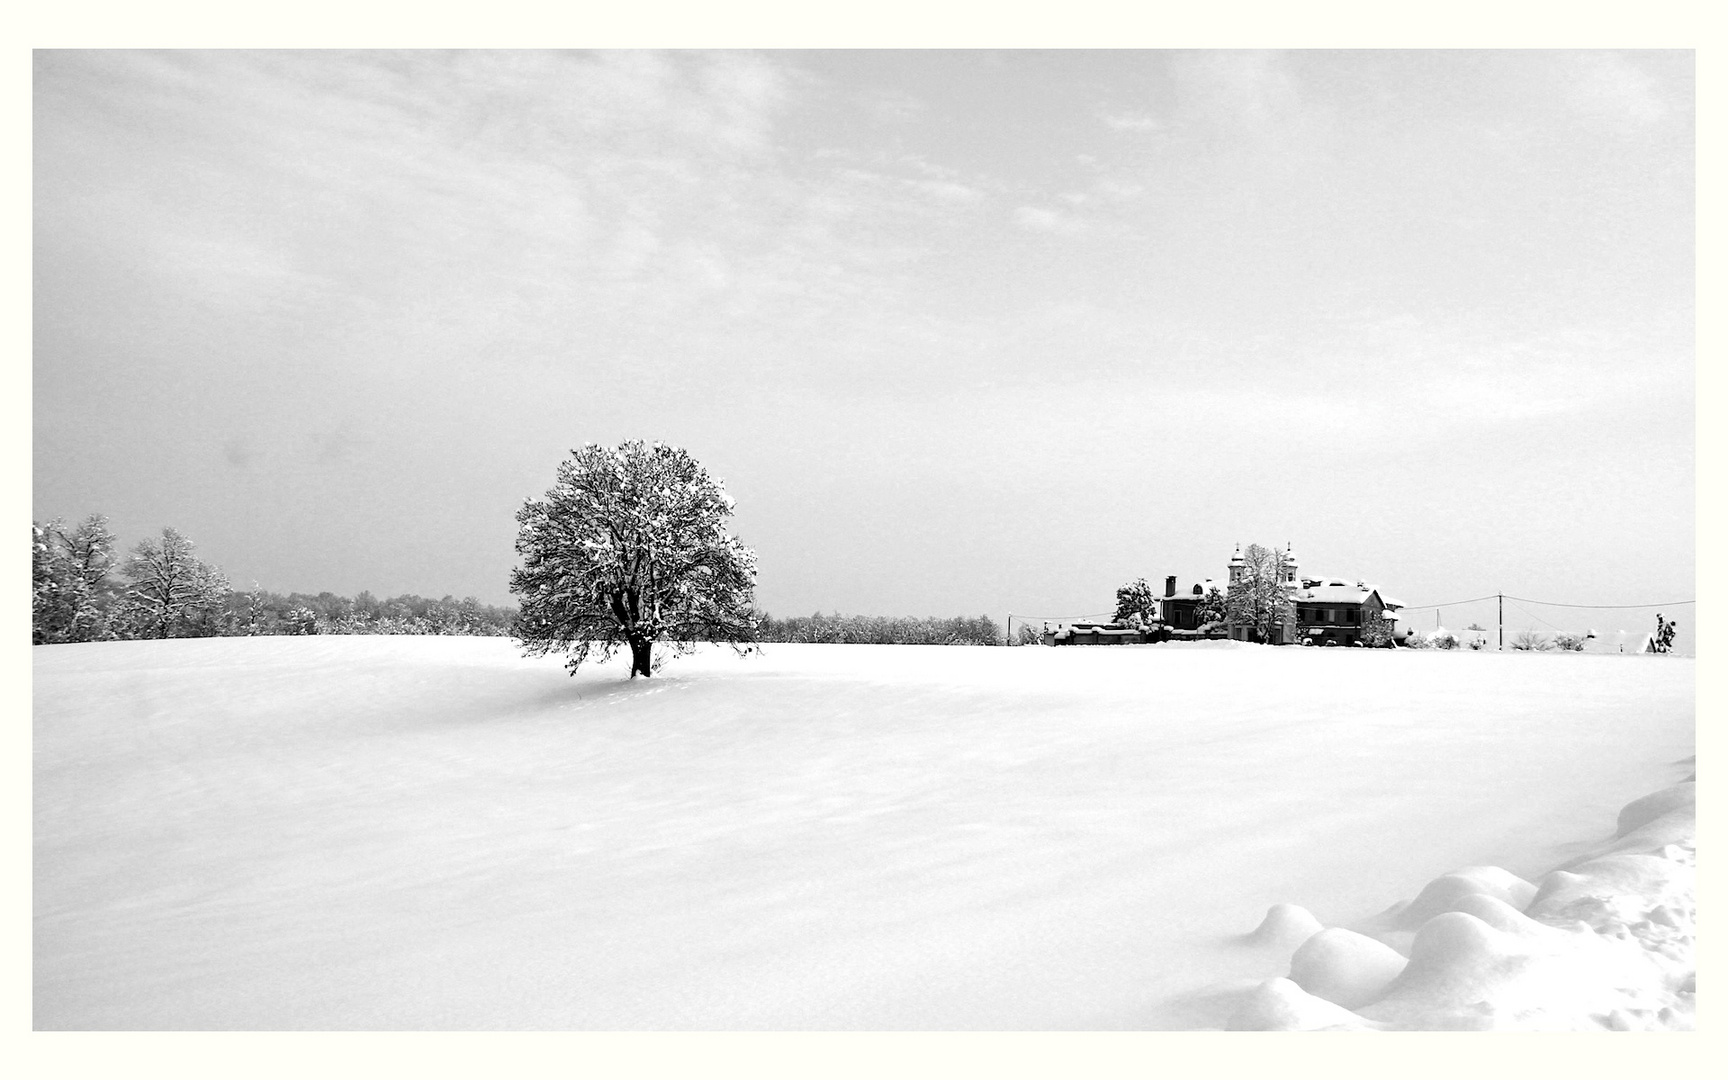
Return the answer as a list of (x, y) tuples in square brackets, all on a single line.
[(639, 650)]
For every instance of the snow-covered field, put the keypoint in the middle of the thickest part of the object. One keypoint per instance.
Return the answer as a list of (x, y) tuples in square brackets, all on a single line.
[(438, 833)]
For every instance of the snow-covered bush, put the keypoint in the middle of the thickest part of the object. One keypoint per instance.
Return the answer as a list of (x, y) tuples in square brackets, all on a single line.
[(1569, 642), (1531, 641)]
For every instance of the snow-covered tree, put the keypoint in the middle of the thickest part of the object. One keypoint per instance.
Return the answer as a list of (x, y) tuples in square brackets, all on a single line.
[(1663, 639), (1213, 610), (630, 546), (1377, 631), (1258, 598), (72, 588), (170, 592), (1135, 604)]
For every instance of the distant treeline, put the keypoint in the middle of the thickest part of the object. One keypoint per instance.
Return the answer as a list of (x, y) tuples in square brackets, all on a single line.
[(879, 630), (264, 612), (83, 589)]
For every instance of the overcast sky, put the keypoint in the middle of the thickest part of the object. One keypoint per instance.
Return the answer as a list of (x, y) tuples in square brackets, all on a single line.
[(961, 332)]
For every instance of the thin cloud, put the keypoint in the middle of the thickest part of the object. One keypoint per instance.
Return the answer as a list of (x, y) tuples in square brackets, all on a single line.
[(946, 190), (1132, 122), (1609, 86), (1038, 219)]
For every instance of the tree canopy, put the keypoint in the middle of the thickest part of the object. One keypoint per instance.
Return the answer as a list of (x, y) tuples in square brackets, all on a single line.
[(171, 592), (1258, 598), (1213, 610), (1135, 604), (73, 594), (630, 547)]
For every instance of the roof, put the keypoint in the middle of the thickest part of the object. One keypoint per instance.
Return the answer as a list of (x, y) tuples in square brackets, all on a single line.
[(1336, 594)]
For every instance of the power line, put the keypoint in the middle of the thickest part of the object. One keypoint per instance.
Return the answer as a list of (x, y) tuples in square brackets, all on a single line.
[(1538, 618), (1603, 607), (1453, 603), (1544, 603)]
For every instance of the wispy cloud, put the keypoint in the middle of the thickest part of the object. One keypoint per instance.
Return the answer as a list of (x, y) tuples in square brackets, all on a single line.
[(1043, 220), (1611, 87), (1132, 122)]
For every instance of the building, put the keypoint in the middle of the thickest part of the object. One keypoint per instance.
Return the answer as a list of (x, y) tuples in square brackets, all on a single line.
[(1179, 608), (1088, 633), (1335, 611), (1328, 611)]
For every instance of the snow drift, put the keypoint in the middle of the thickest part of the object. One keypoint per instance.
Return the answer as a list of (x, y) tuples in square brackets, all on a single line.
[(1606, 941), (356, 833)]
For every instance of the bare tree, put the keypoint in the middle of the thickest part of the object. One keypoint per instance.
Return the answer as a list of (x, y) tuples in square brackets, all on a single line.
[(170, 590), (1531, 641), (1259, 599)]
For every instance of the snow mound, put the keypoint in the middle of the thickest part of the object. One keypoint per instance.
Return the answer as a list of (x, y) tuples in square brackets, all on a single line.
[(1345, 968), (1607, 941), (1281, 1005), (1444, 892), (1681, 798), (1286, 926)]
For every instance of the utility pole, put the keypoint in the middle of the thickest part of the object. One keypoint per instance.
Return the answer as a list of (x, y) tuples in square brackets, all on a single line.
[(1501, 598), (1008, 635)]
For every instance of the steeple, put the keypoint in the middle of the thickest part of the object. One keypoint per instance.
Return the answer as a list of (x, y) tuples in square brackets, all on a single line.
[(1289, 562), (1236, 565)]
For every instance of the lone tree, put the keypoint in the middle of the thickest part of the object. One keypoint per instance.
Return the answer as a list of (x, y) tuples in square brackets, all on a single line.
[(171, 592), (630, 545), (1258, 598)]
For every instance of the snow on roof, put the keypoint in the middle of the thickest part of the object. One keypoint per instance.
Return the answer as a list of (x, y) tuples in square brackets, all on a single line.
[(1335, 593)]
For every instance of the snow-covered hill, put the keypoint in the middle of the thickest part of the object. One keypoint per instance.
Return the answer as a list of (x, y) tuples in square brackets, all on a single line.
[(438, 833)]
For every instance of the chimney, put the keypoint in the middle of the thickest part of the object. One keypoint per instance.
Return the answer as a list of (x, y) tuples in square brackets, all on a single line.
[(1170, 585)]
